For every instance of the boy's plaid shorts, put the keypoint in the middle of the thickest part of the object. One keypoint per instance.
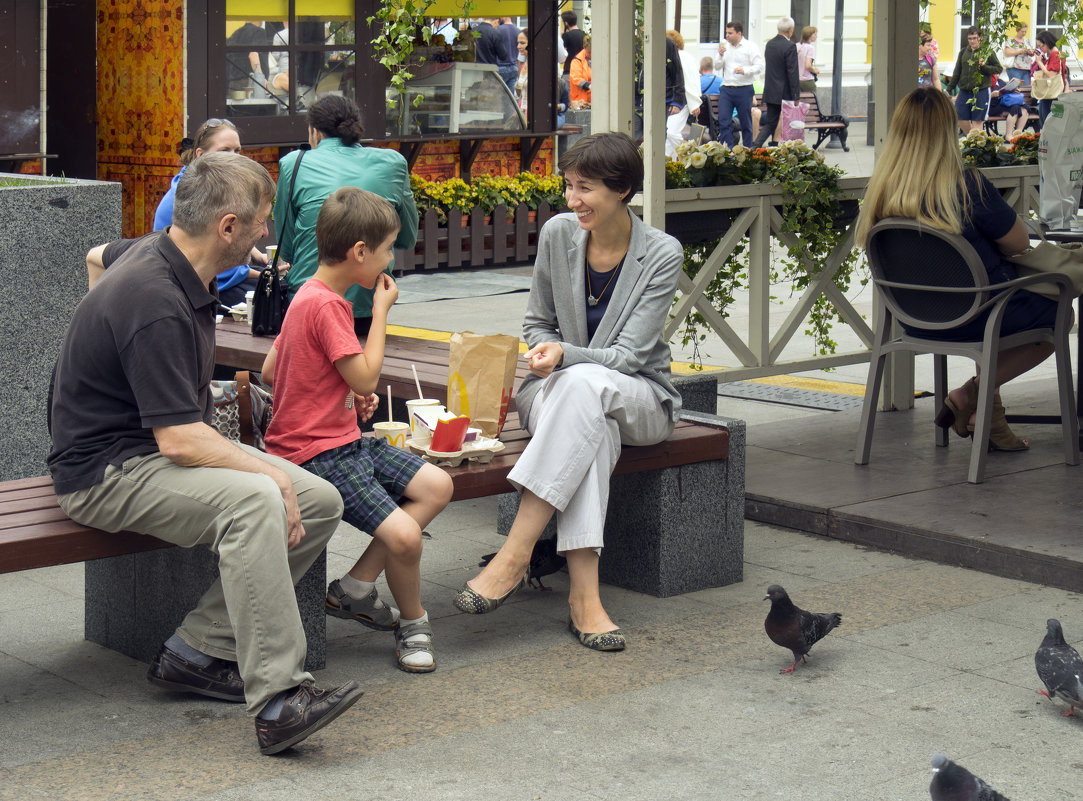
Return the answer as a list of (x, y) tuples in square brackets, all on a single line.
[(371, 476)]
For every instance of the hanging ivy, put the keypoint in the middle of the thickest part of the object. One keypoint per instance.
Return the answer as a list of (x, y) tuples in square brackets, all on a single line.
[(812, 207)]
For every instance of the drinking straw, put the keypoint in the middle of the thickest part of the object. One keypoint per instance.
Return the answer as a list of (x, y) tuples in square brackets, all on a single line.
[(418, 383), (390, 419)]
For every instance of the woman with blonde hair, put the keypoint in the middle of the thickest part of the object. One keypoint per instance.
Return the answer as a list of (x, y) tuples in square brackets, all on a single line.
[(920, 175)]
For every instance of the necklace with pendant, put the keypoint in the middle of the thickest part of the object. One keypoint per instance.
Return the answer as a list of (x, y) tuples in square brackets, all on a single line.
[(594, 301)]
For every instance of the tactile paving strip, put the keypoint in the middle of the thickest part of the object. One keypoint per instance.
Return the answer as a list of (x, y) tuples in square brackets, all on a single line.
[(790, 396)]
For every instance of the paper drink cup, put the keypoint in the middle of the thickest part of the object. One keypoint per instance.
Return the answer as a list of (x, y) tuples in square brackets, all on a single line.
[(394, 433), (419, 432)]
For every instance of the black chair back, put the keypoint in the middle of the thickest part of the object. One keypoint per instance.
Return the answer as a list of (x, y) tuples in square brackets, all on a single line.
[(912, 266)]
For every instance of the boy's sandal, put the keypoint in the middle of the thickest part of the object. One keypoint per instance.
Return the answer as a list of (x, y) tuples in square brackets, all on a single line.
[(414, 639), (341, 604)]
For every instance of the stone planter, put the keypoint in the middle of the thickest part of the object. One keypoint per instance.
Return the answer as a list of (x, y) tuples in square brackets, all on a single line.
[(46, 228)]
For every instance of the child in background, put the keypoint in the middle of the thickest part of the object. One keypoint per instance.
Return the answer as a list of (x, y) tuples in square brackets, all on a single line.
[(322, 381)]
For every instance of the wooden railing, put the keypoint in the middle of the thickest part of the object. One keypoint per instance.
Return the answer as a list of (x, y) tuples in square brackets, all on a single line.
[(753, 208), (476, 239)]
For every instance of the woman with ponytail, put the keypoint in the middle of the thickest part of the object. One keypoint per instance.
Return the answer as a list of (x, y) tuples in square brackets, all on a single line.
[(337, 159)]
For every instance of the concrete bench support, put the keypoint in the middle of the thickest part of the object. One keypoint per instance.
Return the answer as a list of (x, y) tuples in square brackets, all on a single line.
[(673, 530), (135, 601)]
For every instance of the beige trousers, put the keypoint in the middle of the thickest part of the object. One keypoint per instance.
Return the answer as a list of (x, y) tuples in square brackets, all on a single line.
[(250, 614)]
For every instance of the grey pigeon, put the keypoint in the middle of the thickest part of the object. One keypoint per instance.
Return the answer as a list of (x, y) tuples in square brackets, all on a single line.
[(544, 560), (953, 782), (1059, 667), (795, 628)]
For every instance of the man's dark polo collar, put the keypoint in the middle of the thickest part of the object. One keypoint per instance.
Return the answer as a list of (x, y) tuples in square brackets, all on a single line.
[(187, 278)]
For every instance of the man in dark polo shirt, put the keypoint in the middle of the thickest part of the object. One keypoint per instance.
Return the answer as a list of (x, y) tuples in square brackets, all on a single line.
[(133, 451)]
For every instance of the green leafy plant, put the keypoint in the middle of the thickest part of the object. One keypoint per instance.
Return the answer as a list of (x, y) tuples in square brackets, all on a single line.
[(401, 22), (487, 192)]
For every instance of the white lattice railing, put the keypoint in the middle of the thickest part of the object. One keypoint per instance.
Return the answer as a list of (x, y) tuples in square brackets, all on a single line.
[(754, 206)]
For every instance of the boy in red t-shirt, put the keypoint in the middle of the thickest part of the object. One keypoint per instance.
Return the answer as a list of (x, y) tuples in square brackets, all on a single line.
[(323, 380)]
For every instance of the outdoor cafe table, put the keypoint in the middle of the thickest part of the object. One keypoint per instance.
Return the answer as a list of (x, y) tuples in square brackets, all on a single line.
[(1063, 236)]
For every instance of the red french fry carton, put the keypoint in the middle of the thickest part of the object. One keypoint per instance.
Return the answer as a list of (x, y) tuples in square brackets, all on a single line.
[(449, 434)]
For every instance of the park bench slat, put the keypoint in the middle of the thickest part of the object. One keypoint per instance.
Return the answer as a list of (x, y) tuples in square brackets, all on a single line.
[(63, 542)]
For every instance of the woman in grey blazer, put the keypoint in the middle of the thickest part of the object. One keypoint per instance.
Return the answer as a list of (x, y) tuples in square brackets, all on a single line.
[(603, 284)]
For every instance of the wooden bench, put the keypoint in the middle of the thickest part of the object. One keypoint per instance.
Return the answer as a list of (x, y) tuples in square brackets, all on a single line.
[(675, 525), (675, 519), (992, 122), (823, 126)]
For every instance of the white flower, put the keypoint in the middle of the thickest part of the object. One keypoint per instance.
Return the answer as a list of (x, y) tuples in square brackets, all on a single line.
[(698, 160), (685, 149)]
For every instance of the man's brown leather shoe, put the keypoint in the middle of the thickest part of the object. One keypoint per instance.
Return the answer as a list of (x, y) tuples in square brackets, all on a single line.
[(219, 679), (305, 709)]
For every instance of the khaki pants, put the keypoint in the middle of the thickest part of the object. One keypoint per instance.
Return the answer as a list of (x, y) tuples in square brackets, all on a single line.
[(249, 615)]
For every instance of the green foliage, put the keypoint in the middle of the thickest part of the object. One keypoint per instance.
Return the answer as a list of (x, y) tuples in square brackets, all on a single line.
[(488, 192), (810, 210), (400, 23)]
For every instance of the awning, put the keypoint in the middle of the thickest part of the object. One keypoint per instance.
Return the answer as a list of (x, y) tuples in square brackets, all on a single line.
[(278, 10)]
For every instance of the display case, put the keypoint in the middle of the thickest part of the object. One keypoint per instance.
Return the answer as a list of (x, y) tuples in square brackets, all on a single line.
[(456, 98)]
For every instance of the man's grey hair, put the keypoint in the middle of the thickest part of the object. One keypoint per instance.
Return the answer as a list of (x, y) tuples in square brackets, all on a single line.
[(218, 184), (785, 24)]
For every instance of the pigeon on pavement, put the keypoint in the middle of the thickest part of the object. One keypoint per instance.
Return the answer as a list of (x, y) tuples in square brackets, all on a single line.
[(1059, 667), (795, 628), (544, 560), (953, 782)]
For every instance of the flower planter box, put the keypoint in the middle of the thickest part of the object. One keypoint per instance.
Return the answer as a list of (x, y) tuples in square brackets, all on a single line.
[(476, 239)]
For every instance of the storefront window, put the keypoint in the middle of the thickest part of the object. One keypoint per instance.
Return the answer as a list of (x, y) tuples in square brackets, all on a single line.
[(280, 64)]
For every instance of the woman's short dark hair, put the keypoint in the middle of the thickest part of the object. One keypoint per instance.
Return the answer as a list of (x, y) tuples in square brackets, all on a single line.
[(611, 158), (1047, 38), (335, 115)]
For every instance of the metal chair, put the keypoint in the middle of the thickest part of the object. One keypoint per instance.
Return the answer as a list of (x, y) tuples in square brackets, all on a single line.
[(933, 280)]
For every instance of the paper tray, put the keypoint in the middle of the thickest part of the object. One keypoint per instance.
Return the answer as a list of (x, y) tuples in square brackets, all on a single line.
[(480, 450)]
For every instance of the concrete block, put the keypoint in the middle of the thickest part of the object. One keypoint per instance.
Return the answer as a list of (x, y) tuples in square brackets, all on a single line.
[(45, 231), (133, 603), (699, 392), (674, 530)]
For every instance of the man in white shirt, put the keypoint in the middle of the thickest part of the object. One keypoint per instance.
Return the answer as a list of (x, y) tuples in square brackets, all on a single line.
[(740, 62)]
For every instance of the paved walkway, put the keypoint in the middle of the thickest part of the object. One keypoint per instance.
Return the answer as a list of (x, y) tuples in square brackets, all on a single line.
[(928, 659)]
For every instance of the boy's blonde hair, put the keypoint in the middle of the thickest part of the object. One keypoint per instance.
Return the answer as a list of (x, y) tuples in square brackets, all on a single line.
[(919, 174), (349, 216)]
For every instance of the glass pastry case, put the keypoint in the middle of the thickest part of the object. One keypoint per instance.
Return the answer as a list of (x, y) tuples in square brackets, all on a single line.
[(455, 98)]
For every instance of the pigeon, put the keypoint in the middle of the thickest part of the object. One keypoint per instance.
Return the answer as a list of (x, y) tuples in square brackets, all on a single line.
[(795, 628), (953, 782), (1059, 667), (544, 560)]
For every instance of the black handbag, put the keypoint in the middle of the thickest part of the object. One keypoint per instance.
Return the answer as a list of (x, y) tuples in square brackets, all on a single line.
[(271, 297)]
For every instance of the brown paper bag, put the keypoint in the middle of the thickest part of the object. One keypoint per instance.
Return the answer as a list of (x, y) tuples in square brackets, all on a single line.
[(481, 374)]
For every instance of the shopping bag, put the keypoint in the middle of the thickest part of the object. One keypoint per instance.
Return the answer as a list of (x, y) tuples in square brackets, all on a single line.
[(1048, 257), (793, 120), (242, 408), (481, 378), (1060, 161), (1046, 87)]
